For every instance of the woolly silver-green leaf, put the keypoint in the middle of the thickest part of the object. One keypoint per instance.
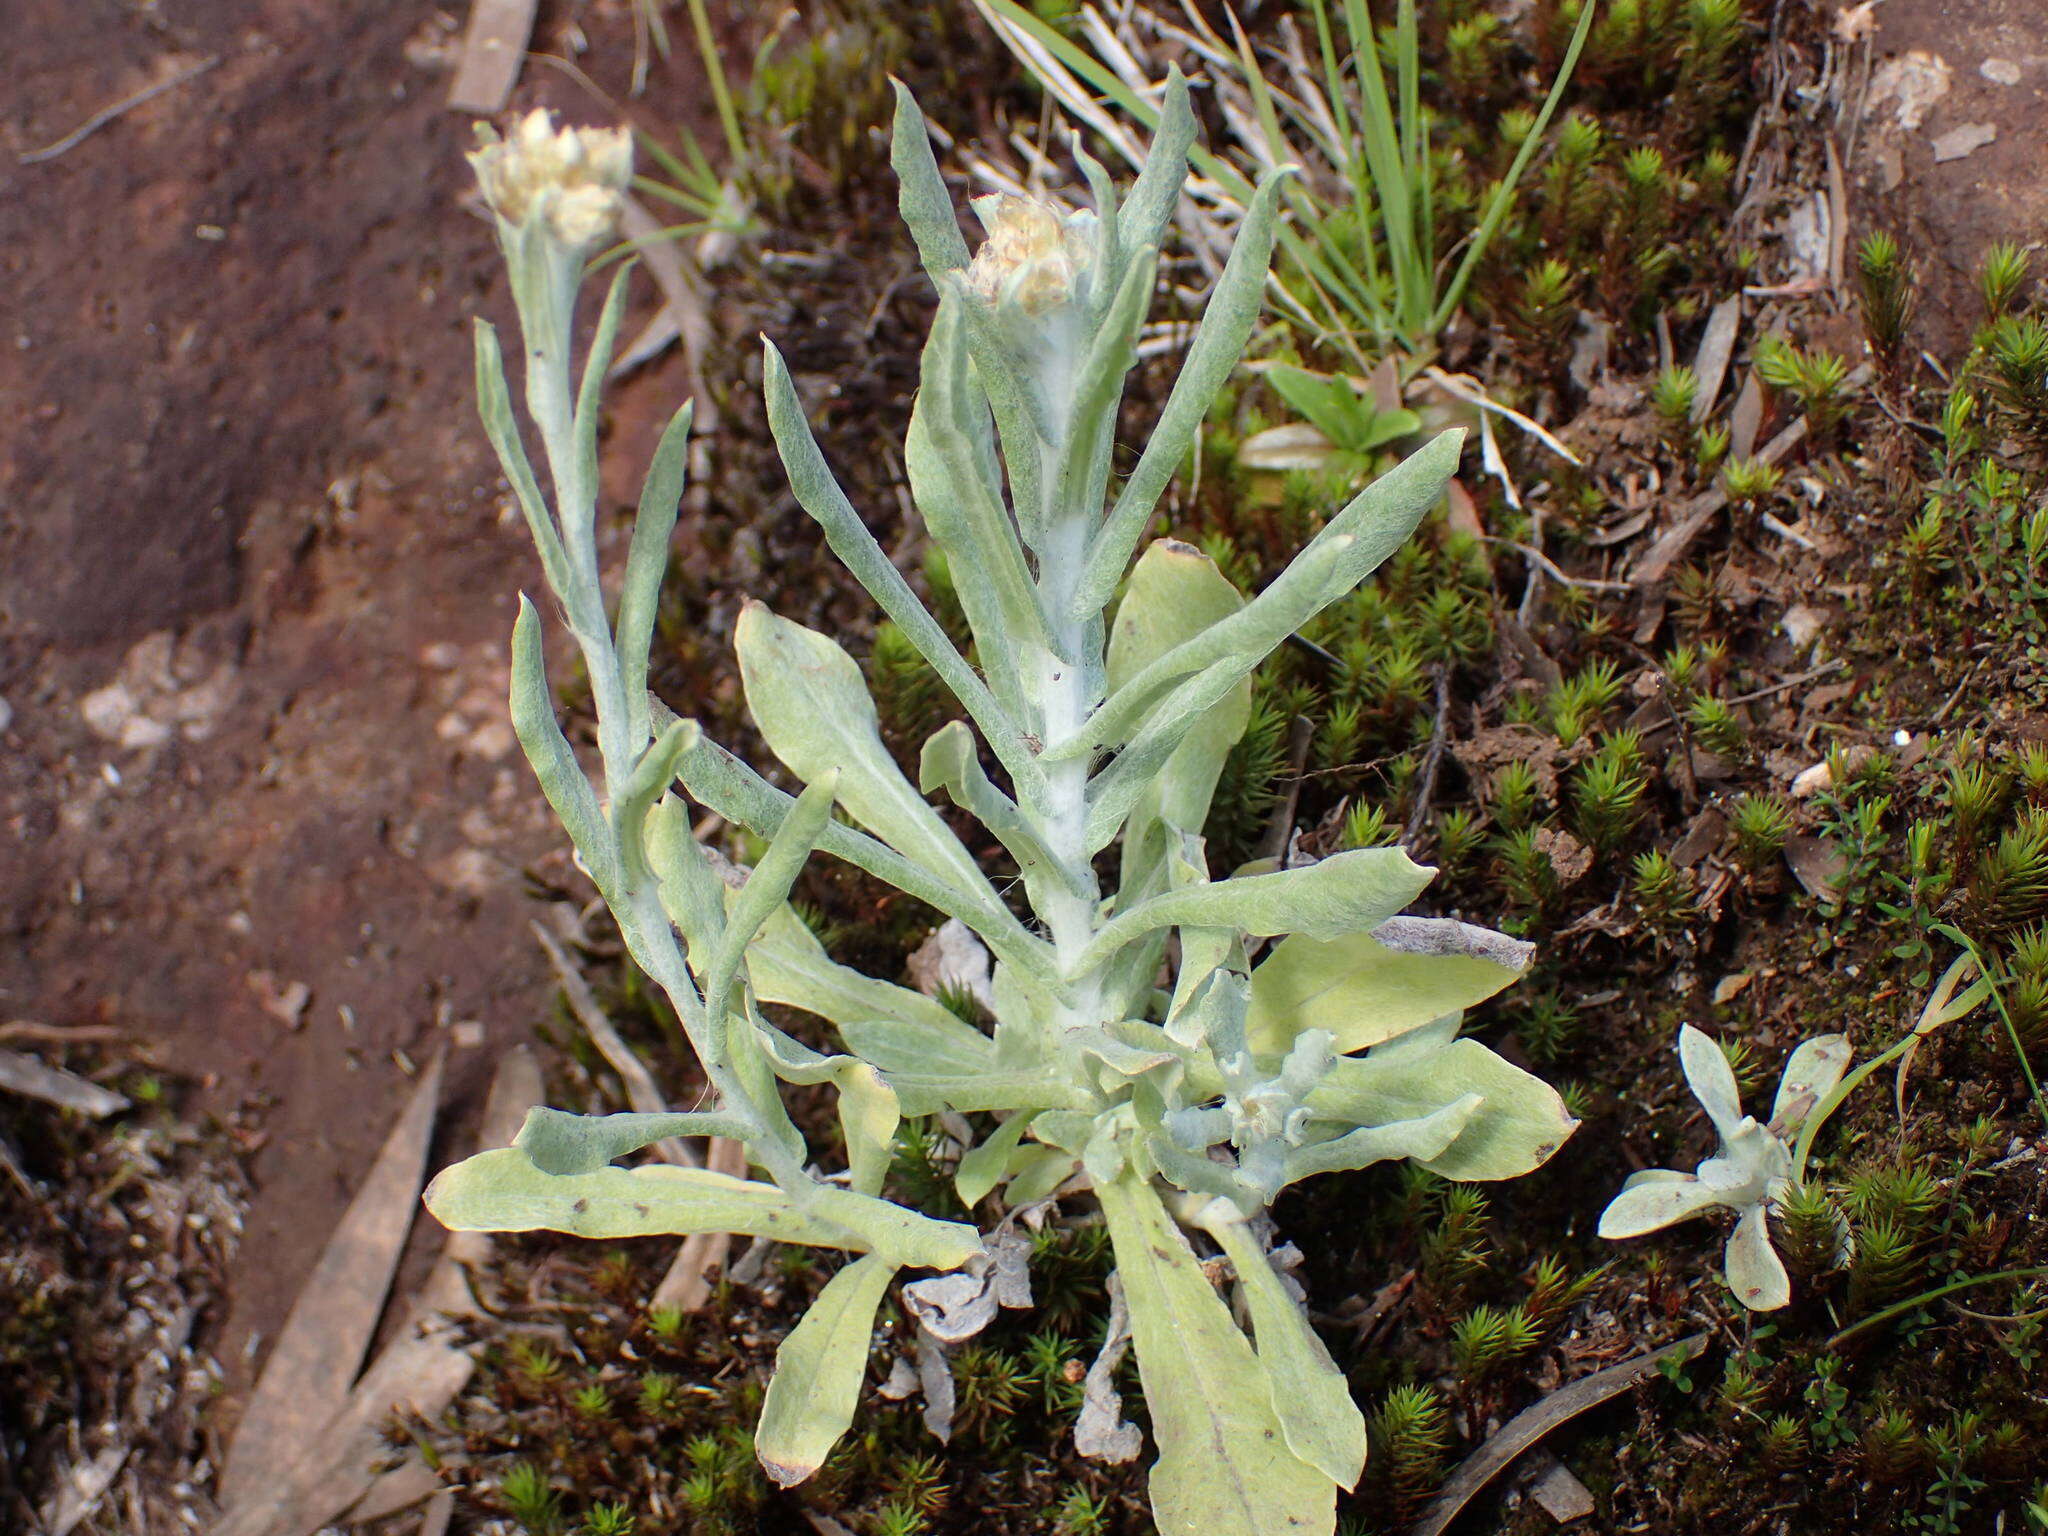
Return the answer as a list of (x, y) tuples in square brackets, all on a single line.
[(819, 1368), (1224, 1468)]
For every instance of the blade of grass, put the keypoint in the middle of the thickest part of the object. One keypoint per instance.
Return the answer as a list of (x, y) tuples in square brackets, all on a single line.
[(1382, 143), (1901, 1308), (721, 92), (1990, 982), (1408, 71), (1351, 162)]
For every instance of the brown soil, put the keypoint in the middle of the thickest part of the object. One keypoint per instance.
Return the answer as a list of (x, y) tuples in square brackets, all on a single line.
[(1979, 65), (256, 575)]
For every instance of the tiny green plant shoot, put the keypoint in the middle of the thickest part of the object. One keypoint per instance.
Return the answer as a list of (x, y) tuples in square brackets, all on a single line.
[(1137, 1052)]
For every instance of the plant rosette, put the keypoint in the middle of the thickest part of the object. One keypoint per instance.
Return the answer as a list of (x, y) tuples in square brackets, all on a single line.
[(1752, 1173)]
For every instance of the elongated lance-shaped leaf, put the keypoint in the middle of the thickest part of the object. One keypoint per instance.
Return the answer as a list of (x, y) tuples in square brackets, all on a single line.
[(1155, 195), (562, 1143), (922, 200), (786, 964), (1114, 793), (690, 890), (1310, 1397), (755, 1070), (902, 1235), (819, 493), (1203, 953), (1232, 310), (503, 1191), (868, 1111), (982, 1168), (1173, 593), (927, 209), (554, 764), (589, 395), (546, 277), (1350, 892), (925, 1086), (818, 1372), (1199, 1174), (661, 497), (767, 889), (1811, 1073), (813, 707), (949, 761), (1372, 526), (955, 481), (1005, 377), (1423, 1138), (1099, 387), (1224, 1466), (1163, 695), (494, 406), (728, 786), (1109, 244), (1040, 1171)]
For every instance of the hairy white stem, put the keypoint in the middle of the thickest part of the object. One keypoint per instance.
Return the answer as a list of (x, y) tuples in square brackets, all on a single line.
[(1072, 913), (643, 923)]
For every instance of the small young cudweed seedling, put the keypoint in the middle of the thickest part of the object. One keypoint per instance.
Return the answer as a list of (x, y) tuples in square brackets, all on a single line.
[(1753, 1171), (1133, 1050), (1762, 1169)]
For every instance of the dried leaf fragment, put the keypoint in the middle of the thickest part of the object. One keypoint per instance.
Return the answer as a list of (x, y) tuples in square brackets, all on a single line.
[(1963, 140)]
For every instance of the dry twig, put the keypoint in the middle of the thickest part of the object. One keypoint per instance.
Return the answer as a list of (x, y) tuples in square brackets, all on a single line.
[(106, 115), (1536, 1421)]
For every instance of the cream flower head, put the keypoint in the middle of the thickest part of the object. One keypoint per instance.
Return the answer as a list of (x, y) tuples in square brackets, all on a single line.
[(1038, 253), (572, 177)]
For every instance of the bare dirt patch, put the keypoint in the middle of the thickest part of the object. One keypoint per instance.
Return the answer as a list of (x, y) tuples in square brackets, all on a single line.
[(262, 806), (1953, 151)]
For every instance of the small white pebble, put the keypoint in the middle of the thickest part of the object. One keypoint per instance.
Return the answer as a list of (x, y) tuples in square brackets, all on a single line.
[(107, 709), (140, 731), (1812, 781)]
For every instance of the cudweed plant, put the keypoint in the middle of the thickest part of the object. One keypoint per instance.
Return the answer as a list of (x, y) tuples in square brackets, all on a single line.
[(1136, 1050), (1752, 1173), (1761, 1168)]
